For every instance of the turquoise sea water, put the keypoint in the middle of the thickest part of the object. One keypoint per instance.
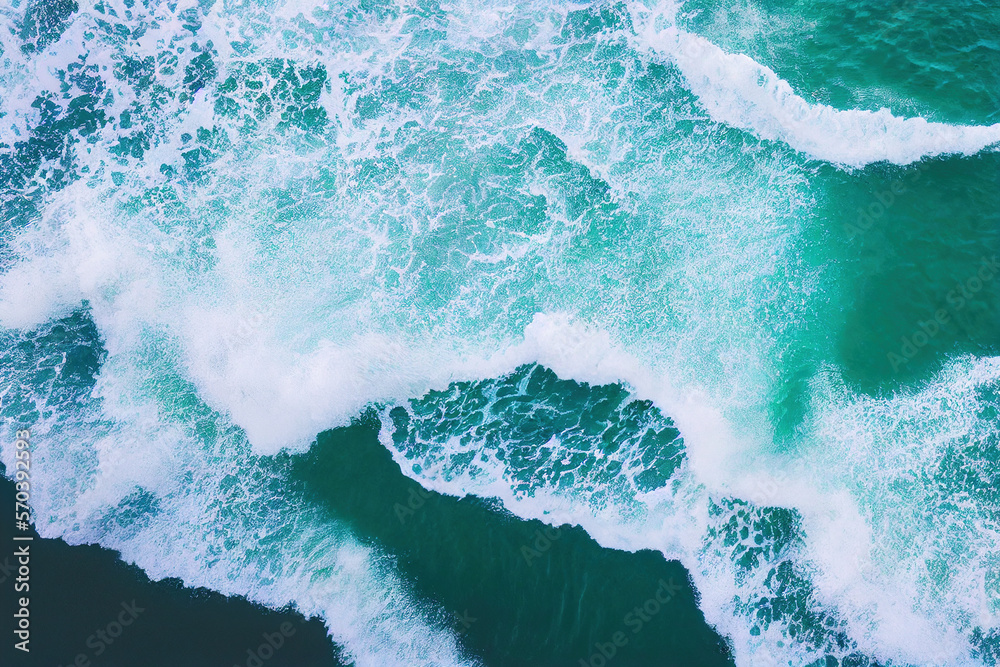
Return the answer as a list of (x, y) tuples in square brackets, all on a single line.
[(407, 314)]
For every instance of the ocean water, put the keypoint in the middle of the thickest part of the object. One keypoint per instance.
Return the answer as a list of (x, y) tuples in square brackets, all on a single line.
[(76, 590), (473, 329)]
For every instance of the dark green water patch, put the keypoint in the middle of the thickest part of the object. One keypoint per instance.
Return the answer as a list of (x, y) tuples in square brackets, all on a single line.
[(77, 592), (914, 264), (516, 592)]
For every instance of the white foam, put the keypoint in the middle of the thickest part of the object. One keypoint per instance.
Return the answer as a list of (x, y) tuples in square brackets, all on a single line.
[(737, 90), (216, 524), (285, 329), (879, 528)]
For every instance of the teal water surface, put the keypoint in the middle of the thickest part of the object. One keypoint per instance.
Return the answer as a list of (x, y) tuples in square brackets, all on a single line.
[(405, 314)]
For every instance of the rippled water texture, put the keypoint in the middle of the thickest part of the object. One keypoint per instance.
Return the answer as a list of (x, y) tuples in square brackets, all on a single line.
[(715, 283)]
